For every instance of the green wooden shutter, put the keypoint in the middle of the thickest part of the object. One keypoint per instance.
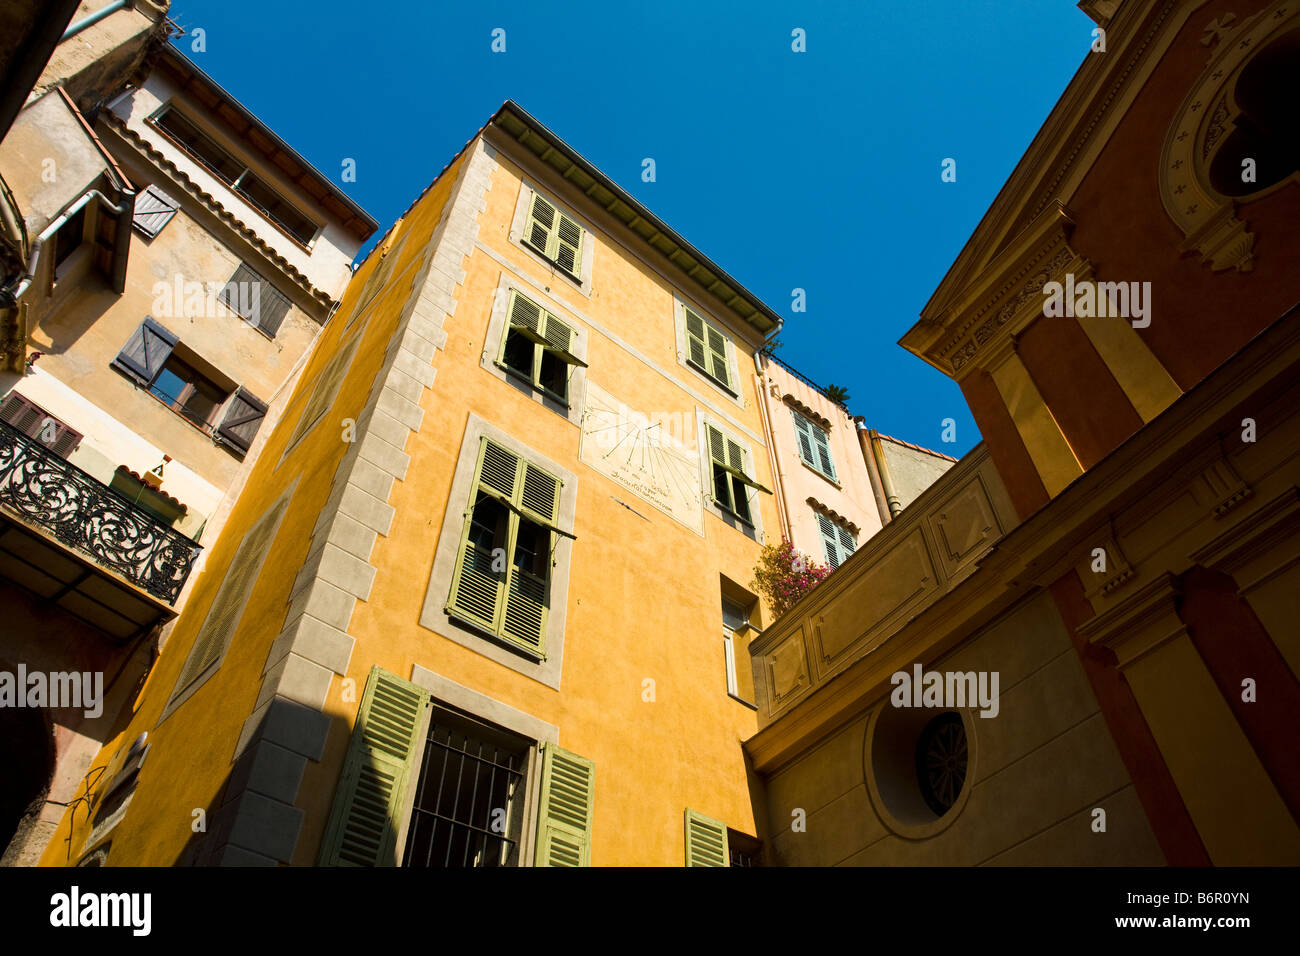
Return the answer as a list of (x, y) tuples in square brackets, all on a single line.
[(695, 340), (476, 589), (719, 367), (706, 841), (525, 313), (382, 755), (847, 544), (825, 465), (567, 249), (528, 598), (541, 224), (803, 430), (830, 541), (565, 809)]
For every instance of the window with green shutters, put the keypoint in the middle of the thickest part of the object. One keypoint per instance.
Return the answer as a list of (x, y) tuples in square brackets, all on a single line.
[(365, 820), (706, 349), (706, 841), (565, 809), (814, 446), (538, 347), (555, 235), (502, 577), (837, 540), (731, 479)]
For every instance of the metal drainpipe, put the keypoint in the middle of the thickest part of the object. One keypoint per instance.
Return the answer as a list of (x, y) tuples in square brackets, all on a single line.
[(9, 298), (782, 502), (886, 480), (92, 19), (873, 473)]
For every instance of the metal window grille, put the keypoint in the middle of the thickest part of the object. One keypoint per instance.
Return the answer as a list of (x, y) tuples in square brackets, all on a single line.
[(469, 796)]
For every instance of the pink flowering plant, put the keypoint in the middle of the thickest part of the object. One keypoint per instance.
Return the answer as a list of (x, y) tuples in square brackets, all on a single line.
[(784, 574)]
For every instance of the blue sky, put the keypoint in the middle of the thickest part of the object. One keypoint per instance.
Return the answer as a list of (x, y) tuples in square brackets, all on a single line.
[(817, 170)]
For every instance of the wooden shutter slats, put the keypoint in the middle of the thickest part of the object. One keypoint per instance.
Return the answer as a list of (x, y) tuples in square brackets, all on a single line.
[(706, 840), (382, 754), (153, 210), (565, 809)]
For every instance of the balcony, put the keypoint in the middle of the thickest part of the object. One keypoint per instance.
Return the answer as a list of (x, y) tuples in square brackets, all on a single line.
[(79, 544)]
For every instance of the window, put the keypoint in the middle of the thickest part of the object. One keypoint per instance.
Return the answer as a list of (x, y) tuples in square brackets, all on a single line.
[(730, 475), (468, 808), (814, 446), (538, 348), (324, 390), (743, 849), (502, 578), (154, 359), (153, 210), (941, 762), (69, 237), (428, 784), (236, 174), (706, 349), (836, 540), (35, 422), (706, 841), (556, 236), (253, 297), (227, 609), (735, 624)]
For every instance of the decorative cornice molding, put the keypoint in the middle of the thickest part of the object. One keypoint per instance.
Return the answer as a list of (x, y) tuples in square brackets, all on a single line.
[(808, 413), (833, 515)]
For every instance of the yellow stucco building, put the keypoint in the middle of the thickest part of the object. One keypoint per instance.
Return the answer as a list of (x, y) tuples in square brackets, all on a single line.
[(439, 626)]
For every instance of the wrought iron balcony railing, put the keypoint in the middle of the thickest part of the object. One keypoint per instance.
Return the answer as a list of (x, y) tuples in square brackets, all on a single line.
[(87, 516)]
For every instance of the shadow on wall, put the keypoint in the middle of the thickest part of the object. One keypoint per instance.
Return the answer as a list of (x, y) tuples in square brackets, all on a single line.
[(27, 754)]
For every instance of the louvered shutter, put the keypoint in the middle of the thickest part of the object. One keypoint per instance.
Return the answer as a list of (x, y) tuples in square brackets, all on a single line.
[(153, 210), (34, 422), (565, 809), (527, 601), (475, 588), (144, 353), (525, 313), (824, 464), (803, 429), (706, 841), (541, 223), (568, 245), (719, 367), (251, 295), (243, 416), (695, 340), (830, 541), (382, 756), (847, 544)]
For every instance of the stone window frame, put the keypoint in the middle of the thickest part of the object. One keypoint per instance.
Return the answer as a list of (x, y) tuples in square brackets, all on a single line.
[(498, 325), (680, 305), (433, 615), (520, 222), (351, 339), (447, 692), (177, 699), (702, 418)]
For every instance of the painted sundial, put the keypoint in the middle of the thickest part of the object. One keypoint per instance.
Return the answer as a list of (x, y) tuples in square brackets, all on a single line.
[(642, 455)]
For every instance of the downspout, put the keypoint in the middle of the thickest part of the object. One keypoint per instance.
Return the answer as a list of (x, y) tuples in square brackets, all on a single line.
[(886, 480), (10, 297), (877, 486), (782, 503), (92, 19)]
